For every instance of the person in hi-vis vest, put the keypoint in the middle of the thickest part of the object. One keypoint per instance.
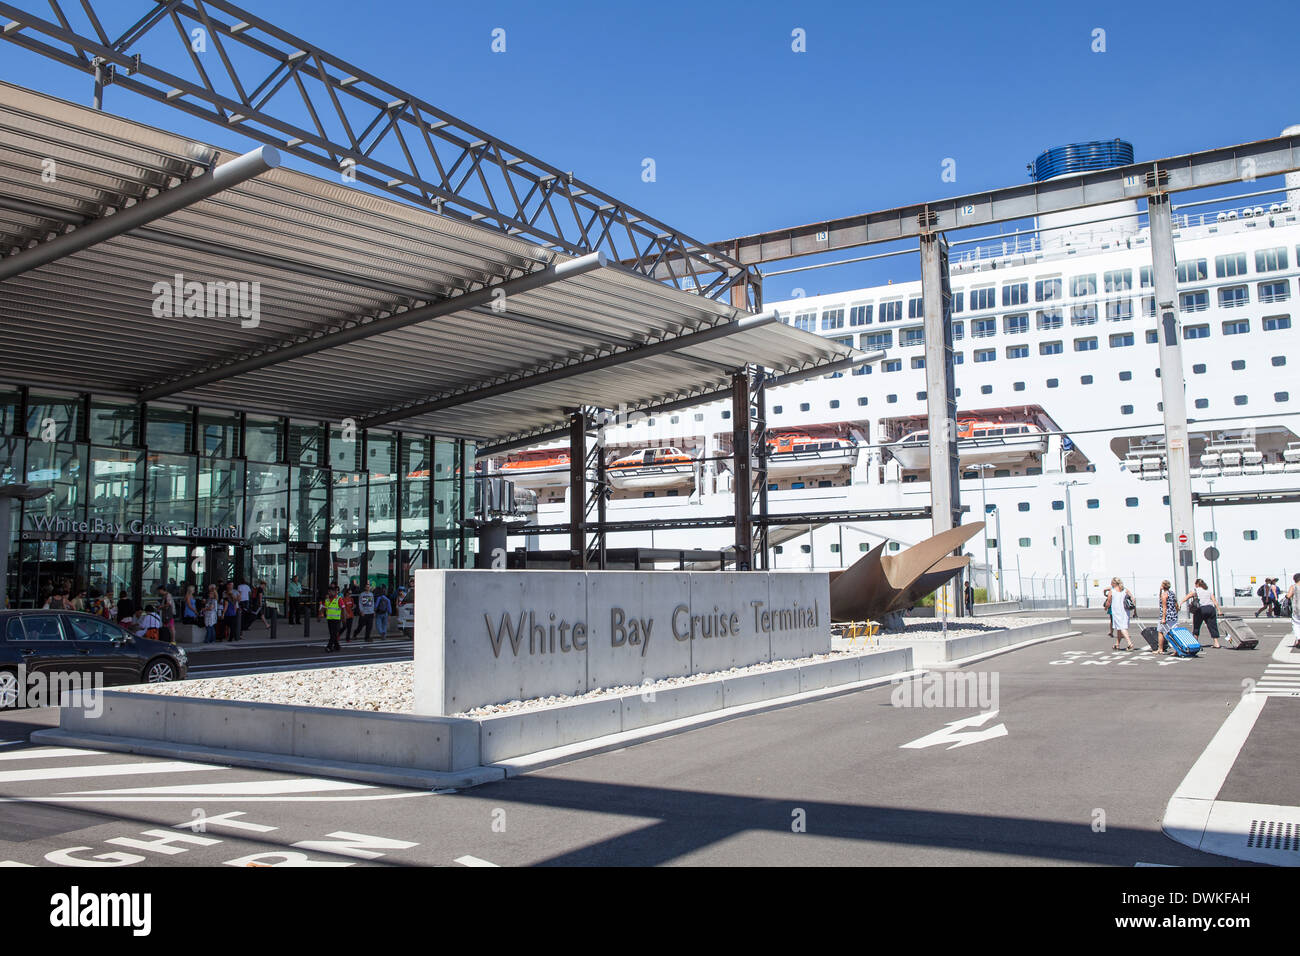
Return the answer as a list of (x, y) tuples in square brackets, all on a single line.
[(333, 614)]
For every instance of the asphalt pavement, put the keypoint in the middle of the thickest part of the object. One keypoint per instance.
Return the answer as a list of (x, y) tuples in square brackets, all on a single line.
[(1075, 767)]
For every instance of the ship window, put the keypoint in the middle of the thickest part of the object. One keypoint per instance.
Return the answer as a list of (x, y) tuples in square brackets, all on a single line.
[(1094, 503), (1239, 399), (1049, 320), (893, 546), (1236, 326), (1017, 351), (832, 319), (726, 413), (959, 301), (1058, 505), (1250, 535), (779, 548), (1053, 383), (1119, 310), (1085, 345), (699, 416), (1018, 387), (1271, 260), (911, 336), (914, 308), (1023, 506), (860, 315), (983, 299), (773, 487), (804, 406), (968, 474), (1169, 537), (985, 355), (1196, 332), (1130, 502), (958, 330), (891, 311), (1210, 536), (835, 403), (1126, 409), (647, 494), (1145, 274), (1275, 323), (796, 484), (827, 484), (1094, 539), (1238, 364), (876, 340), (1148, 305), (958, 358), (1233, 264), (805, 548), (983, 328), (1135, 539), (1126, 376), (1118, 280), (1050, 348), (1024, 542), (1047, 289), (1291, 533), (806, 321), (920, 396), (1001, 473), (892, 365), (1083, 314), (864, 546), (986, 389), (1164, 500), (862, 399), (1198, 368), (918, 361), (1120, 339), (1278, 291), (1281, 396), (1234, 297), (777, 409), (1193, 271), (1202, 403), (891, 399), (1085, 379), (1015, 293), (1279, 360), (1083, 285)]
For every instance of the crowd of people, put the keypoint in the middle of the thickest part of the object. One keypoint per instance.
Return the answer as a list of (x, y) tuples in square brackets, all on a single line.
[(359, 612), (1203, 606)]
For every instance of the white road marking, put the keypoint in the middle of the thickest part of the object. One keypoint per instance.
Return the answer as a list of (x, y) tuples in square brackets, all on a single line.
[(303, 785), (473, 861), (104, 770), (948, 734), (214, 799), (49, 752)]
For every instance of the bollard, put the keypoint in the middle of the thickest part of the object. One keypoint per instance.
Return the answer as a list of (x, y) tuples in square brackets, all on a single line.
[(305, 608)]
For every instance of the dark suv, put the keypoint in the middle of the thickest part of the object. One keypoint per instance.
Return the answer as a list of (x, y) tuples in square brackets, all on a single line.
[(56, 644)]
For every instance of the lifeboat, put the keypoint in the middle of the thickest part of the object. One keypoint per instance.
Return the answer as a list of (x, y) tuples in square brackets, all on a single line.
[(977, 442), (651, 468), (794, 453), (544, 468)]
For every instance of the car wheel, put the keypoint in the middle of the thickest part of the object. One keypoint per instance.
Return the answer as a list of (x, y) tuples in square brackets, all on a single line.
[(160, 671), (8, 690)]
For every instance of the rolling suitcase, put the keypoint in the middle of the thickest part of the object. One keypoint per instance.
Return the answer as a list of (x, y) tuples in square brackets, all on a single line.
[(1181, 640), (1241, 635), (1151, 636)]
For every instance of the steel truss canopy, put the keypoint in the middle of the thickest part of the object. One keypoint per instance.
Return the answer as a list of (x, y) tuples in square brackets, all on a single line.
[(1214, 167), (223, 64), (352, 305)]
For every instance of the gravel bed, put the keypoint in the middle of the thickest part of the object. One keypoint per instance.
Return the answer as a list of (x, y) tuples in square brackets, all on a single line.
[(390, 687), (965, 626)]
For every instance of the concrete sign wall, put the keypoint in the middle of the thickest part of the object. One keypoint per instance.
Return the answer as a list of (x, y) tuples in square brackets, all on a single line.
[(486, 637)]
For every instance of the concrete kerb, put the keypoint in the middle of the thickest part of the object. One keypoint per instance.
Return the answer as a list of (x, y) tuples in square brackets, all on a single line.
[(409, 750), (933, 650)]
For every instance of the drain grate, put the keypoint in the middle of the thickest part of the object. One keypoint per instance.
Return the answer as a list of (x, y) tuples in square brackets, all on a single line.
[(1274, 835)]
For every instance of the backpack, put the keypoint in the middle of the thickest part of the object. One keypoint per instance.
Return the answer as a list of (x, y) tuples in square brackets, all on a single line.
[(1129, 604), (1260, 592)]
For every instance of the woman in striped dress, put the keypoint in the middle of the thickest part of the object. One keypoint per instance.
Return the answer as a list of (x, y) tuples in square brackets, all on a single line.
[(1168, 614)]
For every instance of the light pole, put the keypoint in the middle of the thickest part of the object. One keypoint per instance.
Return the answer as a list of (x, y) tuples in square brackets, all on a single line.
[(1214, 534), (984, 496), (1069, 522), (997, 536)]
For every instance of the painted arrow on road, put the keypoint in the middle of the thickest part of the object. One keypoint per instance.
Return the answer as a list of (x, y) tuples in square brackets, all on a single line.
[(949, 735)]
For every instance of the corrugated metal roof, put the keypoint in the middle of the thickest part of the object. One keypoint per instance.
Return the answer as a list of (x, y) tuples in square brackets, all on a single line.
[(326, 256)]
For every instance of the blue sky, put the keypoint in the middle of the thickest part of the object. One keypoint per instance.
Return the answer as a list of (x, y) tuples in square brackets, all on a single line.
[(748, 135)]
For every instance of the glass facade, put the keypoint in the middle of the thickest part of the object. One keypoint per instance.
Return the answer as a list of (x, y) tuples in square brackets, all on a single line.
[(170, 495)]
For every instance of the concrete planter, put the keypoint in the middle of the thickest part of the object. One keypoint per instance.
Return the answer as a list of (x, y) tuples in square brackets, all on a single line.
[(935, 649)]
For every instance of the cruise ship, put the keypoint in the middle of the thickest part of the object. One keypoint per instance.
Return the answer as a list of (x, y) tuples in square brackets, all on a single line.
[(1061, 440)]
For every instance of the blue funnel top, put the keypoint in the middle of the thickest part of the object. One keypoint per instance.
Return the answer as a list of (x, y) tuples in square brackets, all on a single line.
[(1080, 158)]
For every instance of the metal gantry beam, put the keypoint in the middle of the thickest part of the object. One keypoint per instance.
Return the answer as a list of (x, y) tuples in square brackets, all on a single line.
[(1223, 166), (232, 173), (251, 76), (1172, 388)]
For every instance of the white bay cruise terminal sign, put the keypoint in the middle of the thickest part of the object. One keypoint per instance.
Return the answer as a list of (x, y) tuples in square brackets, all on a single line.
[(487, 637)]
